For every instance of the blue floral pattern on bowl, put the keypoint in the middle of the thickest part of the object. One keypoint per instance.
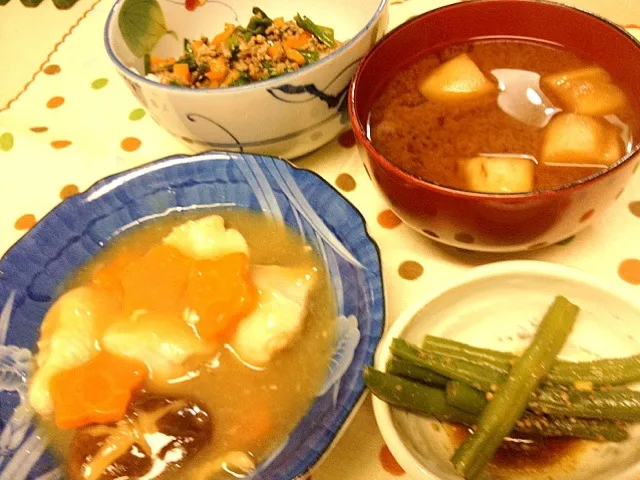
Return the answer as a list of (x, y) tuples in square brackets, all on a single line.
[(32, 271)]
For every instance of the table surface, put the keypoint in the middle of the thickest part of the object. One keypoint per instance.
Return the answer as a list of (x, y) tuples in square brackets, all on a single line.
[(67, 120)]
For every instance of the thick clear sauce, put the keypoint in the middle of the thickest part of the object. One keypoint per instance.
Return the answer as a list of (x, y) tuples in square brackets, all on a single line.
[(252, 410)]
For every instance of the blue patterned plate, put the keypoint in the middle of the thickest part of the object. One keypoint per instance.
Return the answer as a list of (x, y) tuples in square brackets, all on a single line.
[(32, 271)]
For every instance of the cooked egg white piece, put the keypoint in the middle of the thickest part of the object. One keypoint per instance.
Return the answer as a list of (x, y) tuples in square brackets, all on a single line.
[(458, 79), (586, 91), (580, 139), (498, 174), (206, 238), (69, 337), (279, 318)]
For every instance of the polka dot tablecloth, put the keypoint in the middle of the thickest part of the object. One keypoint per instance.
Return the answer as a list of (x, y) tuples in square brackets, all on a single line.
[(67, 120)]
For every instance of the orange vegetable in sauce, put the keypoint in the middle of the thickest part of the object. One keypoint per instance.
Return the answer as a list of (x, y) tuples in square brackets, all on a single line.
[(156, 281), (221, 293), (98, 391)]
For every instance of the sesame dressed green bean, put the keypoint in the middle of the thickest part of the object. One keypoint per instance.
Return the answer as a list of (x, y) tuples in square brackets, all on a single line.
[(610, 371), (511, 399)]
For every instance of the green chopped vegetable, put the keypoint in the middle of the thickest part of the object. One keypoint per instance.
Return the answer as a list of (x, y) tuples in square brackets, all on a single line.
[(147, 64), (309, 56), (243, 79), (324, 34), (259, 23), (511, 399), (234, 47)]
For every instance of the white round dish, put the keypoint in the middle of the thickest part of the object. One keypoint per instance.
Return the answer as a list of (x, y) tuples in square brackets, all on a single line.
[(285, 116), (498, 306)]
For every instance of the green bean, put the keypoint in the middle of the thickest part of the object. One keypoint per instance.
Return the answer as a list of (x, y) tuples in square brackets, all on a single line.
[(403, 368), (510, 401), (482, 377), (413, 396), (464, 397), (470, 400), (615, 404), (622, 406), (610, 371), (422, 399)]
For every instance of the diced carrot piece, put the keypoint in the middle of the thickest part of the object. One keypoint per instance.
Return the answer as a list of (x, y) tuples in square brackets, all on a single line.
[(156, 281), (278, 21), (298, 41), (171, 60), (224, 36), (157, 61), (181, 71), (233, 75), (218, 69), (196, 45), (98, 391), (222, 293), (275, 51), (294, 56)]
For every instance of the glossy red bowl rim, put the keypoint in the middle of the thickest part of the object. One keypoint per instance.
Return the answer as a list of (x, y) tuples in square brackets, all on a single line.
[(360, 131)]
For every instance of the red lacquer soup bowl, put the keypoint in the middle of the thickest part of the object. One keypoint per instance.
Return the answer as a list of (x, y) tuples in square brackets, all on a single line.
[(496, 222)]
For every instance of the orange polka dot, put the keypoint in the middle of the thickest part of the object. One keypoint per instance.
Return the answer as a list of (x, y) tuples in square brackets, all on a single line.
[(345, 182), (68, 191), (25, 222), (58, 144), (634, 207), (410, 270), (629, 271), (38, 129), (388, 219), (55, 102), (587, 215), (52, 69), (347, 139), (130, 144), (464, 237), (389, 463)]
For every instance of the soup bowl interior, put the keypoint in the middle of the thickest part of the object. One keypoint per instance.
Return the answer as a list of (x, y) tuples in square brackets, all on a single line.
[(495, 222), (306, 108), (35, 269), (499, 306)]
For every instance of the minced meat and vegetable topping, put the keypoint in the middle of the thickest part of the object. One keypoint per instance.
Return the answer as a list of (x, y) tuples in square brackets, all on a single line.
[(265, 48)]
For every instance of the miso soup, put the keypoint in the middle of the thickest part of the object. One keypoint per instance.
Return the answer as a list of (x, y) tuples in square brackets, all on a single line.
[(503, 116), (189, 348)]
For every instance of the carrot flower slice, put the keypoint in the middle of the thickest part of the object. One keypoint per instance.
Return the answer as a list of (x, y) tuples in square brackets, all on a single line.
[(98, 391), (221, 293)]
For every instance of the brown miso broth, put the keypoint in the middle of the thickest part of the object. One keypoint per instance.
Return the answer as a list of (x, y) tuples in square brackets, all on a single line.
[(428, 138), (252, 410)]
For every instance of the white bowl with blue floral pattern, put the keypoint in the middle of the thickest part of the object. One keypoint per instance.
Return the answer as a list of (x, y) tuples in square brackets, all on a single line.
[(285, 116), (33, 270)]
